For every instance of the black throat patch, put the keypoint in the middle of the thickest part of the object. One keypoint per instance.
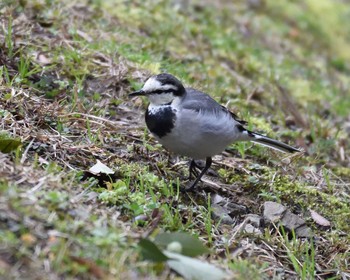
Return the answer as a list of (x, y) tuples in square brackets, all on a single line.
[(162, 121)]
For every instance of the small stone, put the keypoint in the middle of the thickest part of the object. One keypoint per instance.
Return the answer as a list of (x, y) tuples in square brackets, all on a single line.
[(216, 198), (221, 214), (273, 211), (236, 209), (251, 229), (304, 231), (291, 221), (255, 220)]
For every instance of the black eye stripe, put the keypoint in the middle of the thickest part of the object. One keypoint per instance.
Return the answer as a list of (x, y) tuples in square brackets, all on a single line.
[(160, 91)]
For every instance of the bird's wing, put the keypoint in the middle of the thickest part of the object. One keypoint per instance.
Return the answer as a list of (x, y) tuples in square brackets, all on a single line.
[(200, 101)]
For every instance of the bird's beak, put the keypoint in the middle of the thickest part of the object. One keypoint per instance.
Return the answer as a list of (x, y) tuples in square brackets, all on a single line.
[(137, 93)]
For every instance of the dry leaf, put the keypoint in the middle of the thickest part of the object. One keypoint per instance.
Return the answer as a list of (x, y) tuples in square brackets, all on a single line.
[(43, 59), (28, 238), (318, 219), (93, 268), (99, 167)]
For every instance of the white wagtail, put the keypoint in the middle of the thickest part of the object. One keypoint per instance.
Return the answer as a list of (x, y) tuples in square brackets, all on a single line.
[(190, 123)]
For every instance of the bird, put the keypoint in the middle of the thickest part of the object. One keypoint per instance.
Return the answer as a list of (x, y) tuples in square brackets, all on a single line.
[(190, 123)]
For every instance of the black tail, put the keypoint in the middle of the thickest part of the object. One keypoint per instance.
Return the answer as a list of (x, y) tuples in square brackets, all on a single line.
[(271, 143)]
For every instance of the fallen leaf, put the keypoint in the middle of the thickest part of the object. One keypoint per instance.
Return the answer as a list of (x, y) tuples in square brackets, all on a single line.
[(320, 220), (28, 238), (294, 32), (42, 59), (92, 267), (99, 167), (4, 265)]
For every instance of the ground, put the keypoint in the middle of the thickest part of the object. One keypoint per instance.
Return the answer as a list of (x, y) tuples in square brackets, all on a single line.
[(66, 68)]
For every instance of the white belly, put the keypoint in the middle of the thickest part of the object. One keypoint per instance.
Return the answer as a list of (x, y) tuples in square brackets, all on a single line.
[(199, 135)]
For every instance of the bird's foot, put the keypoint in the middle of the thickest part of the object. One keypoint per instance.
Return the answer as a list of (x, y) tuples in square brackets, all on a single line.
[(193, 170), (196, 165)]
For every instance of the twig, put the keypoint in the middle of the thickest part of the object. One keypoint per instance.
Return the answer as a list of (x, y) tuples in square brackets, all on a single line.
[(24, 156)]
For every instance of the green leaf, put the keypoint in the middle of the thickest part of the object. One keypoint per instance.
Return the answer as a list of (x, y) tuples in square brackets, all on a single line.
[(9, 145), (191, 246), (151, 252), (194, 269)]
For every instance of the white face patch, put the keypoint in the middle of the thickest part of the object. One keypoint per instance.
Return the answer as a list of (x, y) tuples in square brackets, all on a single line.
[(153, 84), (161, 98)]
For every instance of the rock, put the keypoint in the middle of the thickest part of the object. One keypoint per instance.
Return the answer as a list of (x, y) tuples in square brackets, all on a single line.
[(216, 199), (277, 213), (236, 209), (220, 213), (255, 220), (273, 211), (303, 231), (226, 211), (251, 229), (291, 221), (245, 227)]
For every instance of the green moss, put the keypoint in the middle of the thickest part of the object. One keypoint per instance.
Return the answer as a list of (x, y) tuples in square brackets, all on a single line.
[(230, 176), (342, 171)]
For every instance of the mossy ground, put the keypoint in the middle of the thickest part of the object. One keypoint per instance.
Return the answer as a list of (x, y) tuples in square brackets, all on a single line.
[(66, 68)]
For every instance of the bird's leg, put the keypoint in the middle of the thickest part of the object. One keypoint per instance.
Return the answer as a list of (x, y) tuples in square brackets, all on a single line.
[(206, 167), (192, 169)]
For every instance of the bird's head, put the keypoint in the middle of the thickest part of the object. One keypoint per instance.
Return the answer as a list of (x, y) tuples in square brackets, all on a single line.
[(161, 89)]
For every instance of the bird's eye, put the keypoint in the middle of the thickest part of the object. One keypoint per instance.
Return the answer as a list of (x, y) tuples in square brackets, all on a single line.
[(160, 91)]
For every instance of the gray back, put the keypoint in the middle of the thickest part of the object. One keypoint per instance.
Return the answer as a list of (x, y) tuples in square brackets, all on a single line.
[(200, 101)]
